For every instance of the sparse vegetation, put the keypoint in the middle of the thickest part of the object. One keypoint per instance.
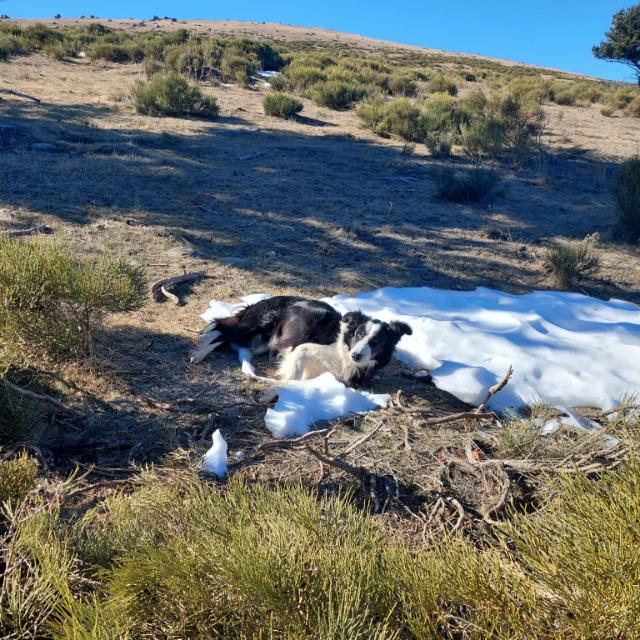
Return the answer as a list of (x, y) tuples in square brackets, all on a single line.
[(627, 196), (572, 261), (281, 105), (178, 554), (467, 187), (172, 95)]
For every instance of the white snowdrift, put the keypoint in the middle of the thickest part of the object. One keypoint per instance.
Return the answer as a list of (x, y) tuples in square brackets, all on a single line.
[(215, 460), (303, 402), (566, 349)]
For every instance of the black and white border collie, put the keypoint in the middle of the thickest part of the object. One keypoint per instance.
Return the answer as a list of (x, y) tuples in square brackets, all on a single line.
[(310, 337)]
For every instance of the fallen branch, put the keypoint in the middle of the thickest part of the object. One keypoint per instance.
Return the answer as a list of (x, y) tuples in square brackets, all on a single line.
[(39, 228), (11, 92), (465, 415), (160, 288), (40, 397), (359, 472), (287, 443), (354, 445), (495, 389)]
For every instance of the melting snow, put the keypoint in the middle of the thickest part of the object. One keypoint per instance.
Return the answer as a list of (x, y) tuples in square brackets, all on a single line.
[(566, 349), (215, 460)]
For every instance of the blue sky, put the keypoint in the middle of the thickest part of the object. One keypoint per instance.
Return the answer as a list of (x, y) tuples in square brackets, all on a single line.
[(555, 33)]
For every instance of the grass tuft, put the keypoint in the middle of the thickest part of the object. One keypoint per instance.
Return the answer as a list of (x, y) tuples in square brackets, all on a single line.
[(467, 187), (570, 262), (281, 105)]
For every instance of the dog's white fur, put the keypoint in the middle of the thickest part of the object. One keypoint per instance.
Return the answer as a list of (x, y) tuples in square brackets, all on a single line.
[(310, 360)]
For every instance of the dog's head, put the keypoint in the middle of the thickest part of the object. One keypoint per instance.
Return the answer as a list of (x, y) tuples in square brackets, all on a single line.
[(371, 342)]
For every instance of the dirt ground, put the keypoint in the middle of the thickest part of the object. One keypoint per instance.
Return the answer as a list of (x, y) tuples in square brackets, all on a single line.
[(313, 206)]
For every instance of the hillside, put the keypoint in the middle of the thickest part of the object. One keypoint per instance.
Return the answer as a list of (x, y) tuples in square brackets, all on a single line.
[(327, 202)]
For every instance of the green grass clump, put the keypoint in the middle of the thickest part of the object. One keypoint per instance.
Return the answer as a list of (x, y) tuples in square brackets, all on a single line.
[(570, 262), (178, 557), (626, 191), (172, 95), (335, 94), (18, 476), (466, 187), (439, 83), (281, 105), (633, 108), (403, 85), (51, 303)]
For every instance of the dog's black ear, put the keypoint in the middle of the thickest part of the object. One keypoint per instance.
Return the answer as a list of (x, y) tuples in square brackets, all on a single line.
[(400, 328), (352, 319)]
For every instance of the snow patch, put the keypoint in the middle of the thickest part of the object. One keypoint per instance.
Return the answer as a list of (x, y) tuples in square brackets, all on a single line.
[(303, 402), (215, 460)]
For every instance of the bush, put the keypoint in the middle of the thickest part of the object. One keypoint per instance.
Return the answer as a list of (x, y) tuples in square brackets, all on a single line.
[(439, 115), (569, 262), (300, 77), (626, 192), (565, 97), (335, 94), (172, 95), (499, 124), (466, 187), (176, 557), (633, 108), (403, 85), (607, 112), (51, 303), (439, 144), (281, 105), (239, 68), (441, 84), (114, 52), (402, 118), (18, 476), (372, 112)]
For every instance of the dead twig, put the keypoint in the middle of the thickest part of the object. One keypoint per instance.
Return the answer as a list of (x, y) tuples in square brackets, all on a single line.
[(11, 92), (16, 233), (40, 397), (287, 443), (464, 415), (161, 287), (495, 389), (360, 441), (359, 472)]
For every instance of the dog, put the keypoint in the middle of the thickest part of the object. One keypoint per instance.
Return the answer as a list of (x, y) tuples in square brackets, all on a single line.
[(310, 336)]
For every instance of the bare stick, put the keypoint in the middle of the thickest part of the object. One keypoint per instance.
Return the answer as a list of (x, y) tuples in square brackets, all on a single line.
[(362, 440), (11, 92), (465, 415), (287, 443), (495, 389), (39, 228), (338, 464), (160, 286), (460, 510), (170, 296), (32, 394)]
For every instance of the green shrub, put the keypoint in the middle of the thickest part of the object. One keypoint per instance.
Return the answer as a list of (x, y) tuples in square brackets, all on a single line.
[(527, 89), (439, 144), (403, 85), (633, 108), (335, 94), (439, 83), (626, 192), (238, 67), (402, 118), (372, 112), (499, 124), (466, 187), (172, 95), (51, 303), (300, 77), (565, 97), (439, 114), (570, 262), (281, 105), (607, 112), (114, 53), (278, 83), (18, 476)]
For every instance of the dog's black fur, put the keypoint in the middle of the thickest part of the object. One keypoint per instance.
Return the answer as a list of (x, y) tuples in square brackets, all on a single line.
[(281, 323)]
